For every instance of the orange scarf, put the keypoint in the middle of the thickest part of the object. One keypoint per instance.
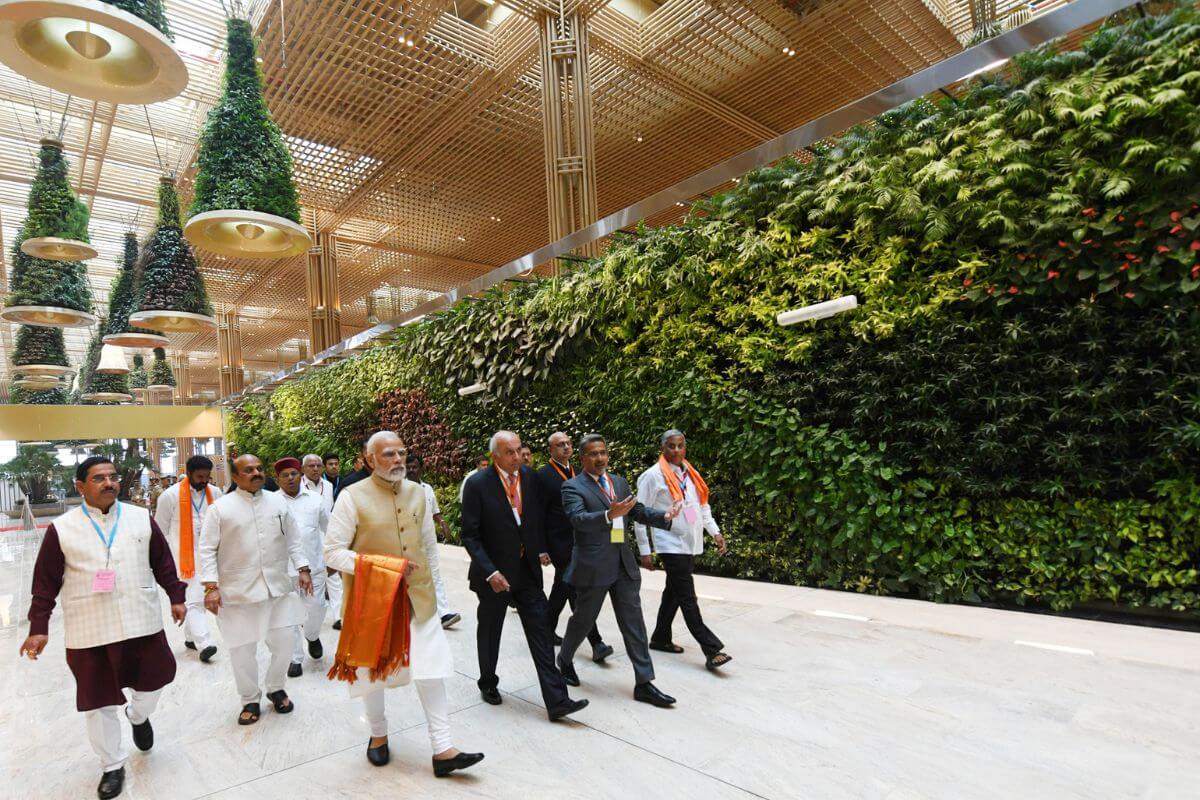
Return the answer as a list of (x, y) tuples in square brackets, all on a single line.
[(187, 549), (673, 482), (375, 632)]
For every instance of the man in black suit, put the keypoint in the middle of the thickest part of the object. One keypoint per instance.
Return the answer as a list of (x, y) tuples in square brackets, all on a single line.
[(362, 471), (599, 506), (502, 515), (560, 539)]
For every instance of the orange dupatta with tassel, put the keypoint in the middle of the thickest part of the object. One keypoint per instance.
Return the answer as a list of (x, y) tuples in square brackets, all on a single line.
[(673, 482), (187, 536), (375, 633)]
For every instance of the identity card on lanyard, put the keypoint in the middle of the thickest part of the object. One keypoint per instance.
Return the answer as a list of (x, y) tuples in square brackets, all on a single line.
[(105, 580), (617, 534), (689, 511)]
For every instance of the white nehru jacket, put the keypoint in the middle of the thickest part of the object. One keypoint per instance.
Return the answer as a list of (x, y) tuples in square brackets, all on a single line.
[(245, 546), (133, 608)]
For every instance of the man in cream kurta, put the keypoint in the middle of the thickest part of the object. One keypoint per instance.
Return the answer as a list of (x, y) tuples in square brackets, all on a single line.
[(248, 537), (387, 515), (200, 495), (309, 512), (315, 482)]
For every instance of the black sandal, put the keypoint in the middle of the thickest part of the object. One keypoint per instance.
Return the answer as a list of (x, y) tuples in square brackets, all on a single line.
[(278, 699), (718, 660), (666, 647), (253, 710)]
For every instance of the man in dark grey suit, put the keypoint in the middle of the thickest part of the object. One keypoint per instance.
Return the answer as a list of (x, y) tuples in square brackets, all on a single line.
[(598, 505)]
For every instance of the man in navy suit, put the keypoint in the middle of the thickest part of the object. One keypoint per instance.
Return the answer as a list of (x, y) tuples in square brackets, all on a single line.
[(502, 519), (599, 506)]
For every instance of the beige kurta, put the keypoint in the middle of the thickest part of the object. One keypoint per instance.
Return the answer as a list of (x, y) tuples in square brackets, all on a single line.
[(377, 517)]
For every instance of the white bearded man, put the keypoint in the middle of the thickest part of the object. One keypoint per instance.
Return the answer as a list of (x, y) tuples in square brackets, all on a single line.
[(249, 535), (311, 516), (180, 515), (385, 514)]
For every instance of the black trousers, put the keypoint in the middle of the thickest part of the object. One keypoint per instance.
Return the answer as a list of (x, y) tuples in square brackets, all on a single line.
[(531, 607), (680, 595), (562, 593)]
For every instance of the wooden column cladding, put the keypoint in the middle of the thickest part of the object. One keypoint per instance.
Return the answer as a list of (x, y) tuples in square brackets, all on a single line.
[(324, 298), (229, 349), (567, 124)]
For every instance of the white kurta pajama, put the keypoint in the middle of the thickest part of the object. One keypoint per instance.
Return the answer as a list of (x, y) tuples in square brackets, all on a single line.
[(430, 659), (311, 516), (245, 548), (195, 626), (333, 583)]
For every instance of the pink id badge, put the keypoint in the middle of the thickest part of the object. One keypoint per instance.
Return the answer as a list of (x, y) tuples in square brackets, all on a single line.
[(104, 581), (689, 513)]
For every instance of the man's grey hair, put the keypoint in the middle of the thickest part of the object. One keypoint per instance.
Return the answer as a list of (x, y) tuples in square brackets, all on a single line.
[(378, 437), (669, 435), (497, 436), (589, 438), (550, 438), (311, 455)]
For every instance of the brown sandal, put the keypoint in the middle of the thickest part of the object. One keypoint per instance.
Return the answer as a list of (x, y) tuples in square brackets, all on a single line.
[(250, 714), (278, 699), (718, 660), (666, 647)]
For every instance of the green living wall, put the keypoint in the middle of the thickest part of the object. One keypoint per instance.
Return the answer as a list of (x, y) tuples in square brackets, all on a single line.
[(1012, 414)]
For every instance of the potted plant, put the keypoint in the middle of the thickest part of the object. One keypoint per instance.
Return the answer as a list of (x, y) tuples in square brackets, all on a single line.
[(171, 294), (34, 470), (48, 285), (245, 202), (124, 300)]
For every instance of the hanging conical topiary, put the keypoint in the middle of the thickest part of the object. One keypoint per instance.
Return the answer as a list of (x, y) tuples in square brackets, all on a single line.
[(161, 376), (137, 375), (96, 387), (113, 51), (124, 300), (19, 396), (38, 346), (46, 289), (245, 202), (170, 290)]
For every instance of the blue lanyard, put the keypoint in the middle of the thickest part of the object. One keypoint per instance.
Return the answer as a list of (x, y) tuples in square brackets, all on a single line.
[(197, 506), (112, 534)]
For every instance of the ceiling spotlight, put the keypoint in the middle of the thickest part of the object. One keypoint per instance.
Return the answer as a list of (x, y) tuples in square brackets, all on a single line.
[(474, 388), (818, 310), (461, 238), (637, 137)]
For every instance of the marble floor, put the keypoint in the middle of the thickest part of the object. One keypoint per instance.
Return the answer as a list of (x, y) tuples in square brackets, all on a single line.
[(830, 695)]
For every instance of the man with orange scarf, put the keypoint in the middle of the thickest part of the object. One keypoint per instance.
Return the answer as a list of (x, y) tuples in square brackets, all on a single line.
[(180, 516), (382, 522), (668, 483)]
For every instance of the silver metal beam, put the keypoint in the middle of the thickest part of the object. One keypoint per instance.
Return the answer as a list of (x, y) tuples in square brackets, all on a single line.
[(1037, 31)]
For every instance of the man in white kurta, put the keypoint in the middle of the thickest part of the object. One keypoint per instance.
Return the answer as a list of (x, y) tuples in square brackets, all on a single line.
[(386, 514), (309, 512), (248, 537), (171, 514), (315, 482)]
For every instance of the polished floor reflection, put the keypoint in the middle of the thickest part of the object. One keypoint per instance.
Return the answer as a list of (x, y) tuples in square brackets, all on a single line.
[(830, 695)]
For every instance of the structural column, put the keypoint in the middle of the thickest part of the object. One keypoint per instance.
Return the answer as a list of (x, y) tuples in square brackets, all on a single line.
[(229, 349), (324, 294), (567, 121), (182, 368)]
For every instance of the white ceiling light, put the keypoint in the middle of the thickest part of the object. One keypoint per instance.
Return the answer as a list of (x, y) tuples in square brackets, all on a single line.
[(474, 388), (818, 310), (112, 361)]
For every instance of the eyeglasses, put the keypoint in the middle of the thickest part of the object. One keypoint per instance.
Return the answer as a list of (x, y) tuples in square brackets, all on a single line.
[(102, 479)]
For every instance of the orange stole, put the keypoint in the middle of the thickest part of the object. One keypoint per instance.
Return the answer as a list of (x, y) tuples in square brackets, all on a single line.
[(187, 536), (375, 632), (673, 482)]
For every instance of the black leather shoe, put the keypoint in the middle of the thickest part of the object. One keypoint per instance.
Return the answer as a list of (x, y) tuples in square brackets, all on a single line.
[(601, 652), (568, 673), (450, 620), (649, 693), (207, 653), (190, 645), (444, 766), (111, 784), (379, 756), (143, 736), (563, 709), (337, 626), (295, 670), (315, 649), (491, 696)]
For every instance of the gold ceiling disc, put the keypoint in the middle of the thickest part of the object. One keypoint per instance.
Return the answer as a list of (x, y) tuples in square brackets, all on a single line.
[(53, 248), (173, 321), (48, 316), (247, 234), (91, 50), (107, 397), (50, 371), (137, 341)]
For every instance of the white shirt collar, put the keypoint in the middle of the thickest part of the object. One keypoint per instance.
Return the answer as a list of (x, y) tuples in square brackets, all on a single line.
[(97, 513)]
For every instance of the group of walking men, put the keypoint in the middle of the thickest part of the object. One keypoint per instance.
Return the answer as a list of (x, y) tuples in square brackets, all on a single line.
[(264, 563)]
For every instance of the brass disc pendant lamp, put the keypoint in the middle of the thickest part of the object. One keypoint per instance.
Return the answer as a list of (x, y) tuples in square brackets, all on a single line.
[(112, 52), (245, 203)]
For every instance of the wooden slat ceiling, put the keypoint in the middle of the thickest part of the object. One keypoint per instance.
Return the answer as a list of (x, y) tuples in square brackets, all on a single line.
[(428, 158)]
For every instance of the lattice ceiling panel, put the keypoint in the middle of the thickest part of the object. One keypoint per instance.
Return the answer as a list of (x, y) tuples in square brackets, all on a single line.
[(416, 130)]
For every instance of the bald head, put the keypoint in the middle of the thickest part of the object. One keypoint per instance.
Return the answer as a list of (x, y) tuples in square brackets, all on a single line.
[(560, 447), (506, 450)]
